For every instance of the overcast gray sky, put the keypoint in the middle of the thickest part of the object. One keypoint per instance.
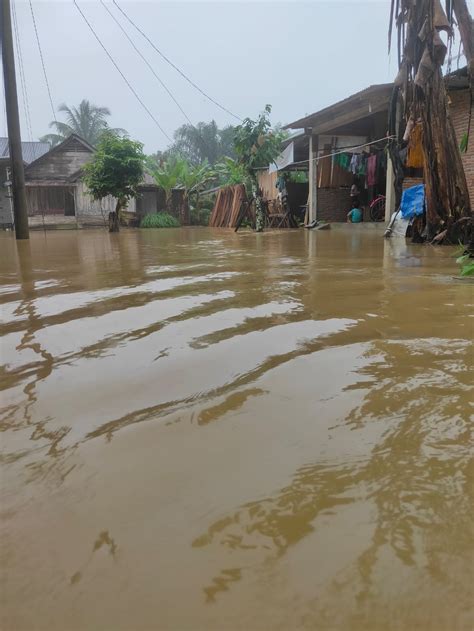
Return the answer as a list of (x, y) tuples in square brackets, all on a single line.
[(297, 56)]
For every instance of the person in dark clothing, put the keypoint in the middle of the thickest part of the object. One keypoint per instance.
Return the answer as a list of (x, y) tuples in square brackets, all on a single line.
[(355, 195)]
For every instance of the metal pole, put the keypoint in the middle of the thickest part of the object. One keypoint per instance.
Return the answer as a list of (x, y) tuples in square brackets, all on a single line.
[(13, 122)]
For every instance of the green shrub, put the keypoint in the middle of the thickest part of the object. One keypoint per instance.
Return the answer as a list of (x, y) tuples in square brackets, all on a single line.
[(467, 265), (159, 220)]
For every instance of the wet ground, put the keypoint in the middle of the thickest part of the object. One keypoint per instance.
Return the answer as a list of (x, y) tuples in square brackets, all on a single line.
[(210, 431)]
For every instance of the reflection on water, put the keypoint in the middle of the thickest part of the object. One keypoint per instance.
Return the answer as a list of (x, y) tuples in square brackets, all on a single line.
[(275, 428)]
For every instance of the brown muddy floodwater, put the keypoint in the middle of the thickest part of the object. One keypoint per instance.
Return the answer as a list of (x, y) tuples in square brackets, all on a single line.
[(210, 431)]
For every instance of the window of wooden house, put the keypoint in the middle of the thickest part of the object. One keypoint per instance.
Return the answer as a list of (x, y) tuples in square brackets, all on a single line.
[(51, 200)]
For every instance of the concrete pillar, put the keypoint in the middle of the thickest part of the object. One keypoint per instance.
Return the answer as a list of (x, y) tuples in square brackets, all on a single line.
[(389, 191)]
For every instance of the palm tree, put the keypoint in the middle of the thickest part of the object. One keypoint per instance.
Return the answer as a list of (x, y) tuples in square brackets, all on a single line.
[(201, 142), (87, 121), (167, 176)]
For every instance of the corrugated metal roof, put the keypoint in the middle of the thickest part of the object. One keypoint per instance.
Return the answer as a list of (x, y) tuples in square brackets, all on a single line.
[(31, 150), (3, 147), (309, 120)]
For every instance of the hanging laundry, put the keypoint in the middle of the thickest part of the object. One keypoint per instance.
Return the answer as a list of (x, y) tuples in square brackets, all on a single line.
[(344, 161), (371, 170), (355, 162), (415, 148), (413, 201), (362, 169)]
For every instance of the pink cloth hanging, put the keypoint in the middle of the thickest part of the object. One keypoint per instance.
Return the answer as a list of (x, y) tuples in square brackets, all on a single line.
[(371, 170)]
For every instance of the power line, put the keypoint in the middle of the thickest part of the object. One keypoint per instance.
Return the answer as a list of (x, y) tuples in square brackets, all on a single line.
[(145, 60), (173, 65), (26, 104), (120, 72), (201, 137), (42, 61)]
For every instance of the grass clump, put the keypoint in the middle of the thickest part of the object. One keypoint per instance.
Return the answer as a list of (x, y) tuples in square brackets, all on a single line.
[(159, 220)]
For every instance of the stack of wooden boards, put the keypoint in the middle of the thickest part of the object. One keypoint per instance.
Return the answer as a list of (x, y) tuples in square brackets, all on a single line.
[(225, 213)]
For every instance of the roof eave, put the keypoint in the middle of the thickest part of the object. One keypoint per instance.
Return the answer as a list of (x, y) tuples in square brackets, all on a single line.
[(311, 120)]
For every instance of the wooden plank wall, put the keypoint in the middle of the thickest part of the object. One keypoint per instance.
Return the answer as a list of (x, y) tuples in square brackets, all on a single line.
[(267, 182), (153, 200), (50, 200), (69, 200), (61, 164), (85, 205)]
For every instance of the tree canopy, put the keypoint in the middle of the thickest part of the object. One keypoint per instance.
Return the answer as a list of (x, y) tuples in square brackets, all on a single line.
[(200, 143), (256, 143), (87, 120), (116, 169)]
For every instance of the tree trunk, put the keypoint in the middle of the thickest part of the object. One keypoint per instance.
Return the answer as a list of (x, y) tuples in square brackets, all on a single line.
[(447, 196), (259, 208), (419, 26), (114, 218), (168, 201), (197, 210)]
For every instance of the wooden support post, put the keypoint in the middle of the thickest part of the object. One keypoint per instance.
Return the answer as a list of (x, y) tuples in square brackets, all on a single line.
[(310, 177), (13, 122), (313, 178), (315, 174)]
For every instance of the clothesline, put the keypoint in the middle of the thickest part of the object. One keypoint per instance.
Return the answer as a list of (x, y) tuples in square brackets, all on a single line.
[(336, 153)]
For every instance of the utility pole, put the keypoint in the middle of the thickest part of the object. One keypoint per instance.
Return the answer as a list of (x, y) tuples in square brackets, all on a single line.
[(13, 122)]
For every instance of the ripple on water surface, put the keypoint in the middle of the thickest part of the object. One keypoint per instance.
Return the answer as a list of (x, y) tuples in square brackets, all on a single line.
[(225, 431)]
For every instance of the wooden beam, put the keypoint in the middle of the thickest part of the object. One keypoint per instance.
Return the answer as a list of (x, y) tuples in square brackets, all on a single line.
[(314, 210)]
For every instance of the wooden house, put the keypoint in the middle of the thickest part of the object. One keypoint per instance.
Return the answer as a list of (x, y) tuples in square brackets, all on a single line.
[(31, 151), (359, 119), (56, 193), (363, 118)]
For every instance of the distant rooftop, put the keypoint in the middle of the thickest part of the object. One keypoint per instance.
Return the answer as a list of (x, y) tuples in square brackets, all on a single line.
[(31, 150)]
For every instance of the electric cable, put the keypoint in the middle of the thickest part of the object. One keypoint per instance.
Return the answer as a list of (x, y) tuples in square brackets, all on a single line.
[(131, 88)]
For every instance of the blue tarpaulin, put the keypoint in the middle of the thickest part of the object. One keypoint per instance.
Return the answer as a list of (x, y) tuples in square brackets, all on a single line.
[(413, 201)]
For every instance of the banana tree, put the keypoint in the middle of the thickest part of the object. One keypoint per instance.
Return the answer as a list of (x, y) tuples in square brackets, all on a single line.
[(167, 176), (257, 145), (421, 53), (177, 173), (194, 178)]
